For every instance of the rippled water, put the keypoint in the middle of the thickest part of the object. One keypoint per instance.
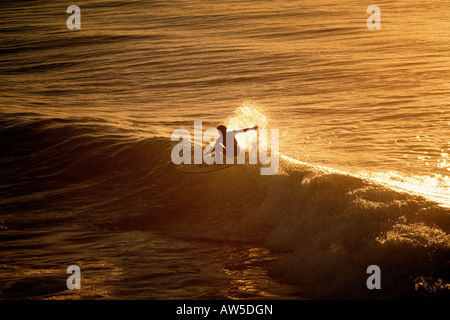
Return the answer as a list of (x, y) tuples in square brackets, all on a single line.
[(86, 118)]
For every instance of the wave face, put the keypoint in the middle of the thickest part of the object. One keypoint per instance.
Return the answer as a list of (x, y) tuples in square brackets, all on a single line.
[(325, 227)]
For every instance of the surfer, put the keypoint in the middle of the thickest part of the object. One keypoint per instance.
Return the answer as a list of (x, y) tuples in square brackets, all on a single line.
[(221, 142)]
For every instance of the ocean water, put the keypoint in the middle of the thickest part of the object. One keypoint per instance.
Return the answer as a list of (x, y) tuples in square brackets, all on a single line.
[(86, 177)]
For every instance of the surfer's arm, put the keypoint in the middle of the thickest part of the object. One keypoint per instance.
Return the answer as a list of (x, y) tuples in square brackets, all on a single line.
[(247, 129), (252, 128)]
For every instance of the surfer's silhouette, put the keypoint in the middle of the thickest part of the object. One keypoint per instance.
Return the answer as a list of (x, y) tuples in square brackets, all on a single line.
[(221, 143)]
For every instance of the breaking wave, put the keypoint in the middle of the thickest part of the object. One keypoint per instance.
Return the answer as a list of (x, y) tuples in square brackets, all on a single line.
[(328, 226)]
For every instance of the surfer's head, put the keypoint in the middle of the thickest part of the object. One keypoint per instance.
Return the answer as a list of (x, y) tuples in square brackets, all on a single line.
[(222, 129)]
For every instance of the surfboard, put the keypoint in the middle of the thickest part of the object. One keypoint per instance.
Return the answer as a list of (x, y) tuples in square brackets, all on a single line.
[(202, 168)]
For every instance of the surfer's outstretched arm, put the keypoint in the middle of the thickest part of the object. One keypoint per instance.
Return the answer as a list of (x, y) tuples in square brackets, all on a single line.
[(246, 129), (252, 128)]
